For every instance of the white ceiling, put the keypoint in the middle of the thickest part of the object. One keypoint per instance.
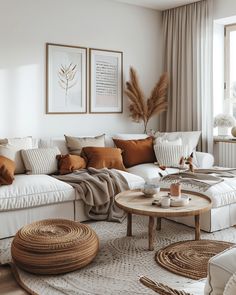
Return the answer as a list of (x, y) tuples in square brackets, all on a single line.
[(157, 4)]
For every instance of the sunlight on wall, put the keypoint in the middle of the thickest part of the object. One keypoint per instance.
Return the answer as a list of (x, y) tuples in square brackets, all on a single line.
[(19, 96)]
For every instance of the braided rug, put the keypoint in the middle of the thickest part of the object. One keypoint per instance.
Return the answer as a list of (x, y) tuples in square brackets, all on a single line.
[(190, 258)]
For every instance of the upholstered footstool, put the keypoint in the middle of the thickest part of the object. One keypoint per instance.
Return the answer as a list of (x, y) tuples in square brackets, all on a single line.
[(54, 246), (221, 269)]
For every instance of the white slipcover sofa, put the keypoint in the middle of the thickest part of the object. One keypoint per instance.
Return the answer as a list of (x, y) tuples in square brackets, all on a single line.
[(34, 197)]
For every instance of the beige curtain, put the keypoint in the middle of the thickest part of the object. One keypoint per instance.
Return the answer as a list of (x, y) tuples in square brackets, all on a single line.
[(188, 38)]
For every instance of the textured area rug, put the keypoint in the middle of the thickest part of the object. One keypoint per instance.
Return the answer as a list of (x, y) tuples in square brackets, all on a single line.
[(190, 258), (121, 261)]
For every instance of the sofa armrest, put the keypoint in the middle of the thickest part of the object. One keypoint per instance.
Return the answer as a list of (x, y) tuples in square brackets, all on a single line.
[(204, 160)]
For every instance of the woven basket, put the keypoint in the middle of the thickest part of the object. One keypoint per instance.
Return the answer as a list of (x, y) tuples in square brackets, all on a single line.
[(54, 246)]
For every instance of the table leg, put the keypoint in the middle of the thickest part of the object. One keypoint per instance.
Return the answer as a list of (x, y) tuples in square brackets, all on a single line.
[(129, 225), (158, 223), (151, 233), (197, 227)]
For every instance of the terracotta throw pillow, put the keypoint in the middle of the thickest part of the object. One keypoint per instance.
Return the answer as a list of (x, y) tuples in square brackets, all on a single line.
[(69, 163), (7, 169), (136, 152), (103, 157)]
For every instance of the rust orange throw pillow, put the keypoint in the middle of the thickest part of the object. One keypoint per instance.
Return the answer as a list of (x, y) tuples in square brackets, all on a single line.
[(136, 152), (103, 157), (7, 169), (69, 163)]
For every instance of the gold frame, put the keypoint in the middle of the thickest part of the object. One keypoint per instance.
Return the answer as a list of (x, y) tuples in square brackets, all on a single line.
[(90, 81), (47, 77)]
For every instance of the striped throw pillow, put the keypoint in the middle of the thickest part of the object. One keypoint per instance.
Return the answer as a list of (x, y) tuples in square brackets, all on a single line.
[(40, 161), (170, 156)]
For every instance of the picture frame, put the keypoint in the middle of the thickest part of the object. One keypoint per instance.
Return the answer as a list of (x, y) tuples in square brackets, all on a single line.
[(106, 81), (66, 75)]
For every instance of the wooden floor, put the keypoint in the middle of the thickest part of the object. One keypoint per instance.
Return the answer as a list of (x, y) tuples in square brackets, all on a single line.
[(8, 285)]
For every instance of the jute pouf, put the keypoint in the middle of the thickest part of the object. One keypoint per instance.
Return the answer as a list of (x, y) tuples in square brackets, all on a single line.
[(54, 246), (190, 258)]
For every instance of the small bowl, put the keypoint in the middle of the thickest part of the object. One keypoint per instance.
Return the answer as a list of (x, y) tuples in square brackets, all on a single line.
[(150, 189)]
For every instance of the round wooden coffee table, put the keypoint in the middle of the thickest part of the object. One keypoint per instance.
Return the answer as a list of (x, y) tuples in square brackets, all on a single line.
[(135, 202)]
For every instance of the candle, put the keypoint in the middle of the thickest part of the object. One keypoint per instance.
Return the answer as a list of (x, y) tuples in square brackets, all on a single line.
[(175, 189)]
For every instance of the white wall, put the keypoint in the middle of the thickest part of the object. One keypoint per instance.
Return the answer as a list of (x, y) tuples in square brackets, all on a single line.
[(25, 27), (224, 8)]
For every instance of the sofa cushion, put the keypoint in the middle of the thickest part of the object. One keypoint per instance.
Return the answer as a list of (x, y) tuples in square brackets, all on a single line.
[(75, 144), (220, 268), (170, 155), (11, 147), (69, 163), (134, 181), (150, 172), (34, 190), (40, 161), (189, 138), (136, 151), (103, 157), (7, 168)]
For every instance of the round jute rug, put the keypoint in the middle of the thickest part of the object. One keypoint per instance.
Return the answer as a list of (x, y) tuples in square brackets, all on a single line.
[(190, 258)]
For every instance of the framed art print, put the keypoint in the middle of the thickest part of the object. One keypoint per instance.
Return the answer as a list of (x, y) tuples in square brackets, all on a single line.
[(106, 81), (66, 79)]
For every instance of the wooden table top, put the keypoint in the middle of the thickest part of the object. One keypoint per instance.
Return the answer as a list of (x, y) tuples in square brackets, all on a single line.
[(134, 201)]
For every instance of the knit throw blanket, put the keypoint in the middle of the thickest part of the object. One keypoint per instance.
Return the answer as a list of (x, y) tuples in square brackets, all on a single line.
[(202, 179), (97, 188)]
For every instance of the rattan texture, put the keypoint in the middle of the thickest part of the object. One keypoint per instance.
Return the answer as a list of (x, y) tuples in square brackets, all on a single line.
[(54, 246), (190, 258)]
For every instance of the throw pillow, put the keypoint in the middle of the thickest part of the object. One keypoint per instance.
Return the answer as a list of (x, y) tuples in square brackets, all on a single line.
[(7, 168), (69, 163), (163, 141), (136, 152), (11, 147), (170, 156), (40, 161), (189, 138), (103, 157), (75, 144)]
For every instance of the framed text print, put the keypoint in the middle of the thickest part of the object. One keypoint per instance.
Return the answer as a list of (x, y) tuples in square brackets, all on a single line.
[(65, 79), (106, 81)]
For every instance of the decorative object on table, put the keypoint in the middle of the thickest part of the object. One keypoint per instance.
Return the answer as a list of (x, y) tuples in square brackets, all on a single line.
[(187, 161), (224, 122), (142, 109), (175, 189), (106, 81), (66, 72), (160, 288), (190, 258), (233, 131), (150, 189), (54, 246), (165, 201)]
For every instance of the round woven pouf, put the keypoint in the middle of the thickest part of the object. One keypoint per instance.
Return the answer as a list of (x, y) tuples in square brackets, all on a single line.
[(54, 246)]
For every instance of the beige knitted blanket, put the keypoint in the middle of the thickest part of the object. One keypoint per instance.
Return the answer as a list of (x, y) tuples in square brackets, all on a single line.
[(97, 188)]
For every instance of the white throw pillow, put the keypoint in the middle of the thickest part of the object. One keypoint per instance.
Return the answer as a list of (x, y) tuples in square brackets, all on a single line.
[(166, 142), (189, 138), (130, 136), (40, 161), (11, 147), (170, 155)]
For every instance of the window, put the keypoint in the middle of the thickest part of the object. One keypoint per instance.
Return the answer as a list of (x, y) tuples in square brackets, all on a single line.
[(230, 70)]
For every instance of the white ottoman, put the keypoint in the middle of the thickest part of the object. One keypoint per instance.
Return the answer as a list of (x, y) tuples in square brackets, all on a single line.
[(220, 269)]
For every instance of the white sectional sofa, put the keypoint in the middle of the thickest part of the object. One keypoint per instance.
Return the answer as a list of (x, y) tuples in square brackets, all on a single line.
[(35, 197)]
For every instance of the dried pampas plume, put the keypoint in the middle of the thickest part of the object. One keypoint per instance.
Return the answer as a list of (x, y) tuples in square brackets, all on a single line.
[(140, 108)]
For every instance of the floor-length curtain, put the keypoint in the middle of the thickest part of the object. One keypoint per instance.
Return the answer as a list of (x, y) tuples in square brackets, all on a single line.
[(188, 38)]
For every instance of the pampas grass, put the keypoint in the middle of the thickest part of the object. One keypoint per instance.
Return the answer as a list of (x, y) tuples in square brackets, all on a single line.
[(142, 109)]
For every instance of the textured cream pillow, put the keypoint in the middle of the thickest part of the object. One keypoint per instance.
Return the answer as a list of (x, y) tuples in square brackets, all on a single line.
[(40, 161), (11, 147), (170, 155), (75, 144)]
